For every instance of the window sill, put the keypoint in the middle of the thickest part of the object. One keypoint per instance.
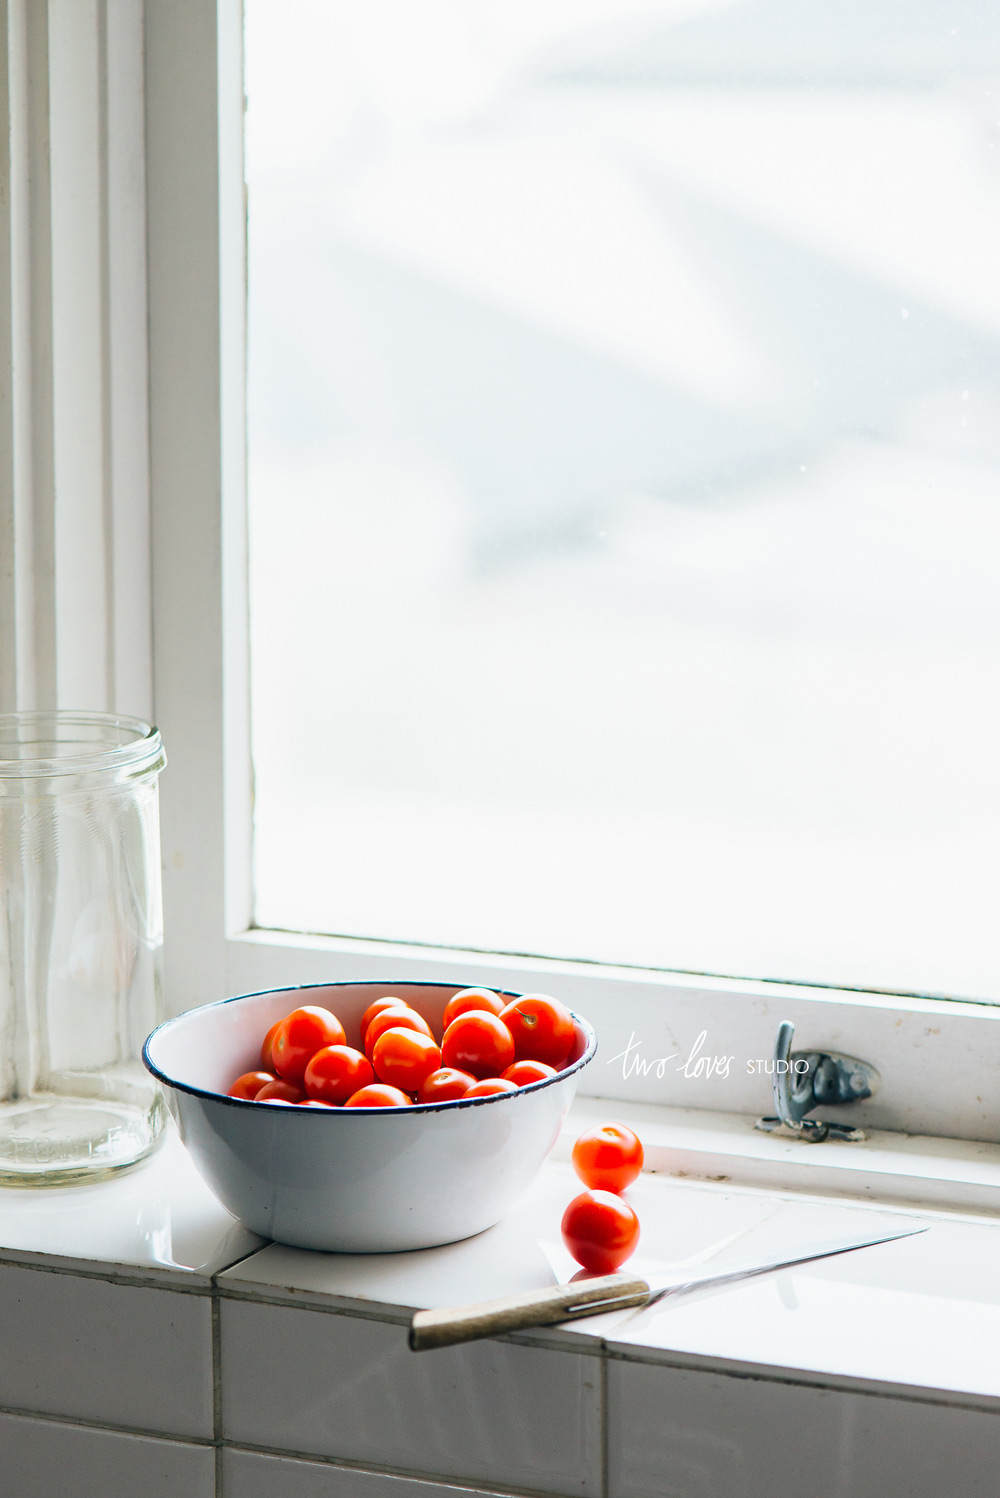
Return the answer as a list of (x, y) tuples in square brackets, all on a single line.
[(913, 1170), (895, 1321)]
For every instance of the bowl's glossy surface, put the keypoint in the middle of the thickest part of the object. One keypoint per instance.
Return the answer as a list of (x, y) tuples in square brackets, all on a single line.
[(354, 1180)]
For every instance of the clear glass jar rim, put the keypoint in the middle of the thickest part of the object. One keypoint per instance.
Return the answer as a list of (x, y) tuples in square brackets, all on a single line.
[(141, 750)]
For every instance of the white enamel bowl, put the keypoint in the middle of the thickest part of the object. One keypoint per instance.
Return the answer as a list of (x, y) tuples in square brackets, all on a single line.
[(355, 1180)]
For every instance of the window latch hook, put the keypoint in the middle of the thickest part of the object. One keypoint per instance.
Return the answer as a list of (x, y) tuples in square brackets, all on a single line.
[(804, 1080)]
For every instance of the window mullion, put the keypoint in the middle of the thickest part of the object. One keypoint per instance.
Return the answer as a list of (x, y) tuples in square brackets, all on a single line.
[(196, 228)]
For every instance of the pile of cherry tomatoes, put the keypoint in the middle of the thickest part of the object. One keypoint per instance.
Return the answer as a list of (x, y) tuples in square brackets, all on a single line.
[(599, 1227), (487, 1045)]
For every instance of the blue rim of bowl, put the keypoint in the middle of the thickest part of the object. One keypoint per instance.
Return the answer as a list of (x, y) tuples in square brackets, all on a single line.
[(222, 1097)]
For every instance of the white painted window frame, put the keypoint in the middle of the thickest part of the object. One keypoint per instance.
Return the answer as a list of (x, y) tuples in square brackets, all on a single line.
[(171, 574)]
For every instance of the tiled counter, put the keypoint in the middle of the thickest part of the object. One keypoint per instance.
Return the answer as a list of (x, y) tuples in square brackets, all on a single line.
[(149, 1345)]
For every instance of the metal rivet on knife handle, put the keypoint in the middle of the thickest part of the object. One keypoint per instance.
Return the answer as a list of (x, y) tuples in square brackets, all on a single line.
[(546, 1307)]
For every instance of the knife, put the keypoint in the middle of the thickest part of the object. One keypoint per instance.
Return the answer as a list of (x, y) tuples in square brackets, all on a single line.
[(610, 1292)]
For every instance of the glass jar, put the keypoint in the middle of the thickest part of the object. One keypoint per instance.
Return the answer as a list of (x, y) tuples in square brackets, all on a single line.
[(81, 934)]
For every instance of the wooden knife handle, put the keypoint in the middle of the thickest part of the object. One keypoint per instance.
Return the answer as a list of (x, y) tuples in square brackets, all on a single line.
[(488, 1318)]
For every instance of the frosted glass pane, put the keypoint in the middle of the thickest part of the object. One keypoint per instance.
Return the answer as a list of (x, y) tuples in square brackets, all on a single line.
[(625, 480)]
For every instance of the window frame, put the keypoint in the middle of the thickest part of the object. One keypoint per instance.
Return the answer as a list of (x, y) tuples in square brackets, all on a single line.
[(937, 1057)]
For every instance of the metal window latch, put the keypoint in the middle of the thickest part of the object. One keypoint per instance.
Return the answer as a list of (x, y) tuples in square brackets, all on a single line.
[(804, 1080)]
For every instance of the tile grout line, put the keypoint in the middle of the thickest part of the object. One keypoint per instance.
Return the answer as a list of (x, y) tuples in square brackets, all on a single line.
[(251, 1253), (143, 1432), (448, 1481), (219, 1445), (339, 1463), (588, 1347), (135, 1279), (988, 1404), (217, 1391), (604, 1426), (603, 1348), (184, 1280)]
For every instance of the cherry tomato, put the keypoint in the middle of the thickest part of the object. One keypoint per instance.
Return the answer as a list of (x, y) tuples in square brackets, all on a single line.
[(315, 1102), (608, 1158), (478, 1042), (387, 1003), (248, 1086), (444, 1085), (335, 1072), (600, 1230), (491, 1085), (471, 998), (542, 1028), (300, 1035), (404, 1058), (280, 1091), (523, 1073), (266, 1059), (378, 1095), (394, 1019)]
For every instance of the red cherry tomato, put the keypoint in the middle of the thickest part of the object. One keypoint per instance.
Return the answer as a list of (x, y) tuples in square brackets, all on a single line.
[(478, 1042), (300, 1035), (600, 1230), (608, 1158), (280, 1091), (394, 1019), (405, 1058), (315, 1102), (387, 1003), (335, 1072), (471, 998), (542, 1028), (378, 1095), (490, 1086), (523, 1073), (248, 1086), (266, 1059), (444, 1085)]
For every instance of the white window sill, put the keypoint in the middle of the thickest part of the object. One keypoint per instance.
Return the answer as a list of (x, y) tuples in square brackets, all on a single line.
[(957, 1175), (712, 1177), (253, 1373)]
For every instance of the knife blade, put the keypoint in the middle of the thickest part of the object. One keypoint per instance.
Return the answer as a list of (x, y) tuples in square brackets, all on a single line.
[(611, 1292)]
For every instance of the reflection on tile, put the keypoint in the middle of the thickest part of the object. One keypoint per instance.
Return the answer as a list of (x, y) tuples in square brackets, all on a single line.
[(349, 1388), (249, 1475), (697, 1227), (502, 1261), (922, 1311), (677, 1433), (159, 1218), (42, 1458), (523, 1252), (122, 1354), (684, 1224)]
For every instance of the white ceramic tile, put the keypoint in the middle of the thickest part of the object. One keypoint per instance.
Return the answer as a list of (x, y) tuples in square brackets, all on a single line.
[(315, 1383), (124, 1354), (680, 1433), (506, 1260), (524, 1252), (686, 1228), (43, 1458), (923, 1312), (159, 1219), (246, 1474)]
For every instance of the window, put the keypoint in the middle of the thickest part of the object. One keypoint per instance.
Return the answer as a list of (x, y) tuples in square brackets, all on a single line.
[(624, 385), (165, 227)]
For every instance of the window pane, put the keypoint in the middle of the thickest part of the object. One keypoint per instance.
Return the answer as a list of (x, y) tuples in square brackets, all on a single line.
[(625, 440)]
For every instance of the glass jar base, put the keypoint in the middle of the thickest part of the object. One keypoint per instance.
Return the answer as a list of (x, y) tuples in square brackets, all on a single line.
[(63, 1141)]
